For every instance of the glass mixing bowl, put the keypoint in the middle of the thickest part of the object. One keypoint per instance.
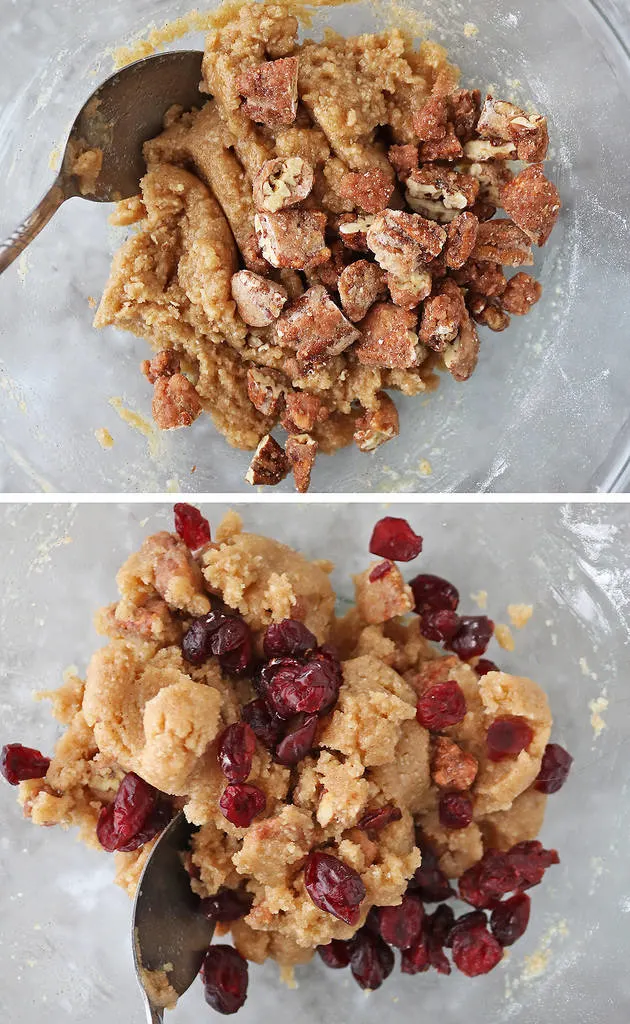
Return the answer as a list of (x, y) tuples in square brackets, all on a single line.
[(65, 929), (547, 409)]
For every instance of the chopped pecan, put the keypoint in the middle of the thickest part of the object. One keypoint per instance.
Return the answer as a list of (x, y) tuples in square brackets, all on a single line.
[(494, 119), (383, 598), (460, 357), (461, 236), (269, 464), (328, 273), (265, 389), (270, 92), (353, 231), (258, 300), (442, 317), (439, 184), (500, 120), (292, 238), (404, 159), (316, 326), (164, 364), (282, 182), (501, 241), (360, 285), (409, 292), (485, 278), (491, 175), (369, 190), (301, 452), (402, 241), (487, 311), (430, 121), (376, 426), (522, 292), (303, 412), (533, 203), (448, 148), (464, 106), (452, 767), (389, 337), (175, 402), (488, 149)]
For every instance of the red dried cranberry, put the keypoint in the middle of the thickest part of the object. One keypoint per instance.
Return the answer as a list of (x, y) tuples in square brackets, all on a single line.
[(334, 886), (433, 594), (197, 640), (371, 960), (430, 881), (292, 687), (507, 736), (378, 819), (191, 526), (227, 905), (298, 740), (554, 770), (498, 874), (380, 570), (473, 636), (133, 804), (484, 665), (455, 810), (440, 923), (240, 803), (236, 749), (156, 823), (372, 921), (224, 975), (400, 926), (441, 705), (475, 951), (105, 831), (18, 763), (530, 860), (232, 645), (264, 723), (415, 960), (393, 538), (439, 626), (286, 638), (438, 958), (509, 919), (336, 953), (475, 919)]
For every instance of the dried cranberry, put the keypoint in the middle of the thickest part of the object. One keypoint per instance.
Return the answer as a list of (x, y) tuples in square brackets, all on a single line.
[(484, 665), (133, 804), (437, 957), (430, 881), (232, 645), (455, 810), (475, 951), (400, 926), (191, 526), (371, 960), (498, 874), (473, 636), (393, 538), (286, 638), (509, 919), (530, 860), (264, 723), (507, 736), (554, 770), (378, 819), (156, 823), (440, 923), (415, 960), (334, 886), (105, 831), (227, 905), (372, 921), (197, 640), (380, 570), (292, 687), (224, 975), (336, 953), (439, 626), (240, 803), (298, 741), (441, 705), (236, 749), (18, 763), (475, 919), (433, 594)]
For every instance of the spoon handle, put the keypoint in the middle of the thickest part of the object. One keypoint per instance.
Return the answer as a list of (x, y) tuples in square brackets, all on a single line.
[(155, 1015), (13, 246)]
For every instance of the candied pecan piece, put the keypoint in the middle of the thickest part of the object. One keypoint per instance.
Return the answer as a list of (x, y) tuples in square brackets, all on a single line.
[(269, 464), (164, 364), (402, 241), (448, 148), (353, 231), (442, 317), (487, 311), (464, 106), (409, 292), (494, 119), (460, 357), (404, 159), (301, 451), (369, 190), (533, 203), (485, 278), (328, 273), (303, 412), (389, 337), (258, 300), (452, 767), (430, 121), (282, 182), (360, 285), (270, 92), (489, 149), (316, 326), (265, 389), (377, 426), (461, 236), (175, 402), (502, 241), (440, 184), (521, 293), (292, 238), (529, 132)]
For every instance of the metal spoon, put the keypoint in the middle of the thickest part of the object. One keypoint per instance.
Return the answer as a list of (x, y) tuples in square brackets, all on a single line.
[(118, 119), (168, 928)]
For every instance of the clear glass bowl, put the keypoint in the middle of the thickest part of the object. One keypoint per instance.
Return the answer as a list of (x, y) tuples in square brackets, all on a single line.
[(65, 929), (547, 409)]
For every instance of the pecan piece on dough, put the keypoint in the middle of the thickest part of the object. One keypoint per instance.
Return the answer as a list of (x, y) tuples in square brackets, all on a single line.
[(270, 92), (448, 148), (292, 238), (164, 364), (175, 402), (401, 241), (521, 293), (269, 464), (301, 452), (485, 278), (503, 121), (282, 182), (258, 300), (353, 231), (316, 326), (404, 159), (533, 203), (452, 767), (442, 317), (265, 389), (409, 292), (388, 338), (440, 184), (303, 412), (376, 426), (360, 285), (369, 190), (502, 241)]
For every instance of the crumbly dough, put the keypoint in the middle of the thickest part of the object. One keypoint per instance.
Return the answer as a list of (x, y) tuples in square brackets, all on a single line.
[(143, 708)]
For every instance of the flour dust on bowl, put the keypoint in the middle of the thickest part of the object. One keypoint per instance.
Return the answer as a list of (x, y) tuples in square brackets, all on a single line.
[(304, 748), (546, 407)]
